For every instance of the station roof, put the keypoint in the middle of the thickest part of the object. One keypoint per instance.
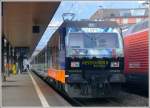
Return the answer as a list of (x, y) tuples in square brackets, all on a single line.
[(18, 19)]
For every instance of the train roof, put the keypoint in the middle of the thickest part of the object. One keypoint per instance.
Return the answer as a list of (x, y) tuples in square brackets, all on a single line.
[(137, 27), (90, 24)]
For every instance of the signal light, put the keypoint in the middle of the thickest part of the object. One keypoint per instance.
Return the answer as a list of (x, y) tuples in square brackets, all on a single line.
[(114, 64), (75, 64)]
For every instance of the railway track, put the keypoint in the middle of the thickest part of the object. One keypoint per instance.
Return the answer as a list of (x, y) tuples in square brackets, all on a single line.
[(98, 102), (136, 89), (124, 99)]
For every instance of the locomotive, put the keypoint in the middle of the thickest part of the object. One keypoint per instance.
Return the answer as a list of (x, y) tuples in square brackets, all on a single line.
[(84, 59), (136, 54)]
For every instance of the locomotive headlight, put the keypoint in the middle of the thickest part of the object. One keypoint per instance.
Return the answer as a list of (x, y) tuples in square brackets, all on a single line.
[(114, 64), (75, 64)]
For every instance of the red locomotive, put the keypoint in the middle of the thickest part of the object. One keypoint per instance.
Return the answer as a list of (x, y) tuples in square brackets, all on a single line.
[(136, 54)]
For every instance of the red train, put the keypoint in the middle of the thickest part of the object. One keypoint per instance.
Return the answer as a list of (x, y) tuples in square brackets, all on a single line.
[(136, 54)]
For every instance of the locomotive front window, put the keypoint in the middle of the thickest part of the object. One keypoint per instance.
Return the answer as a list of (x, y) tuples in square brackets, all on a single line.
[(93, 44), (104, 40), (76, 41), (93, 40)]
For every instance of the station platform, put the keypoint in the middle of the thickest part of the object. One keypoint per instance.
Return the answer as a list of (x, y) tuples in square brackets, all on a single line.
[(27, 89)]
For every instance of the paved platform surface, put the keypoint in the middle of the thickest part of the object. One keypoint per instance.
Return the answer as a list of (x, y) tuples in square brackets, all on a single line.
[(20, 90)]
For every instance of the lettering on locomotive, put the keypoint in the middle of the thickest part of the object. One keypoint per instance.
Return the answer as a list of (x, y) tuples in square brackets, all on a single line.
[(99, 63)]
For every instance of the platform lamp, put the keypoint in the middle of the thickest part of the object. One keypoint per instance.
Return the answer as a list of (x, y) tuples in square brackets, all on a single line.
[(35, 27)]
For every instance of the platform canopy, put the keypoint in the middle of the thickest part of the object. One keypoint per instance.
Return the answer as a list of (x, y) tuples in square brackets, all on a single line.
[(19, 19)]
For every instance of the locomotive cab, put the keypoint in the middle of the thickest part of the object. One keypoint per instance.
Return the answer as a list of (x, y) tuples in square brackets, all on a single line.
[(94, 59)]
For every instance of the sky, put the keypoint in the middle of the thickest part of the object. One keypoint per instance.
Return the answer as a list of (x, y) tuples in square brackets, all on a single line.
[(82, 10)]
